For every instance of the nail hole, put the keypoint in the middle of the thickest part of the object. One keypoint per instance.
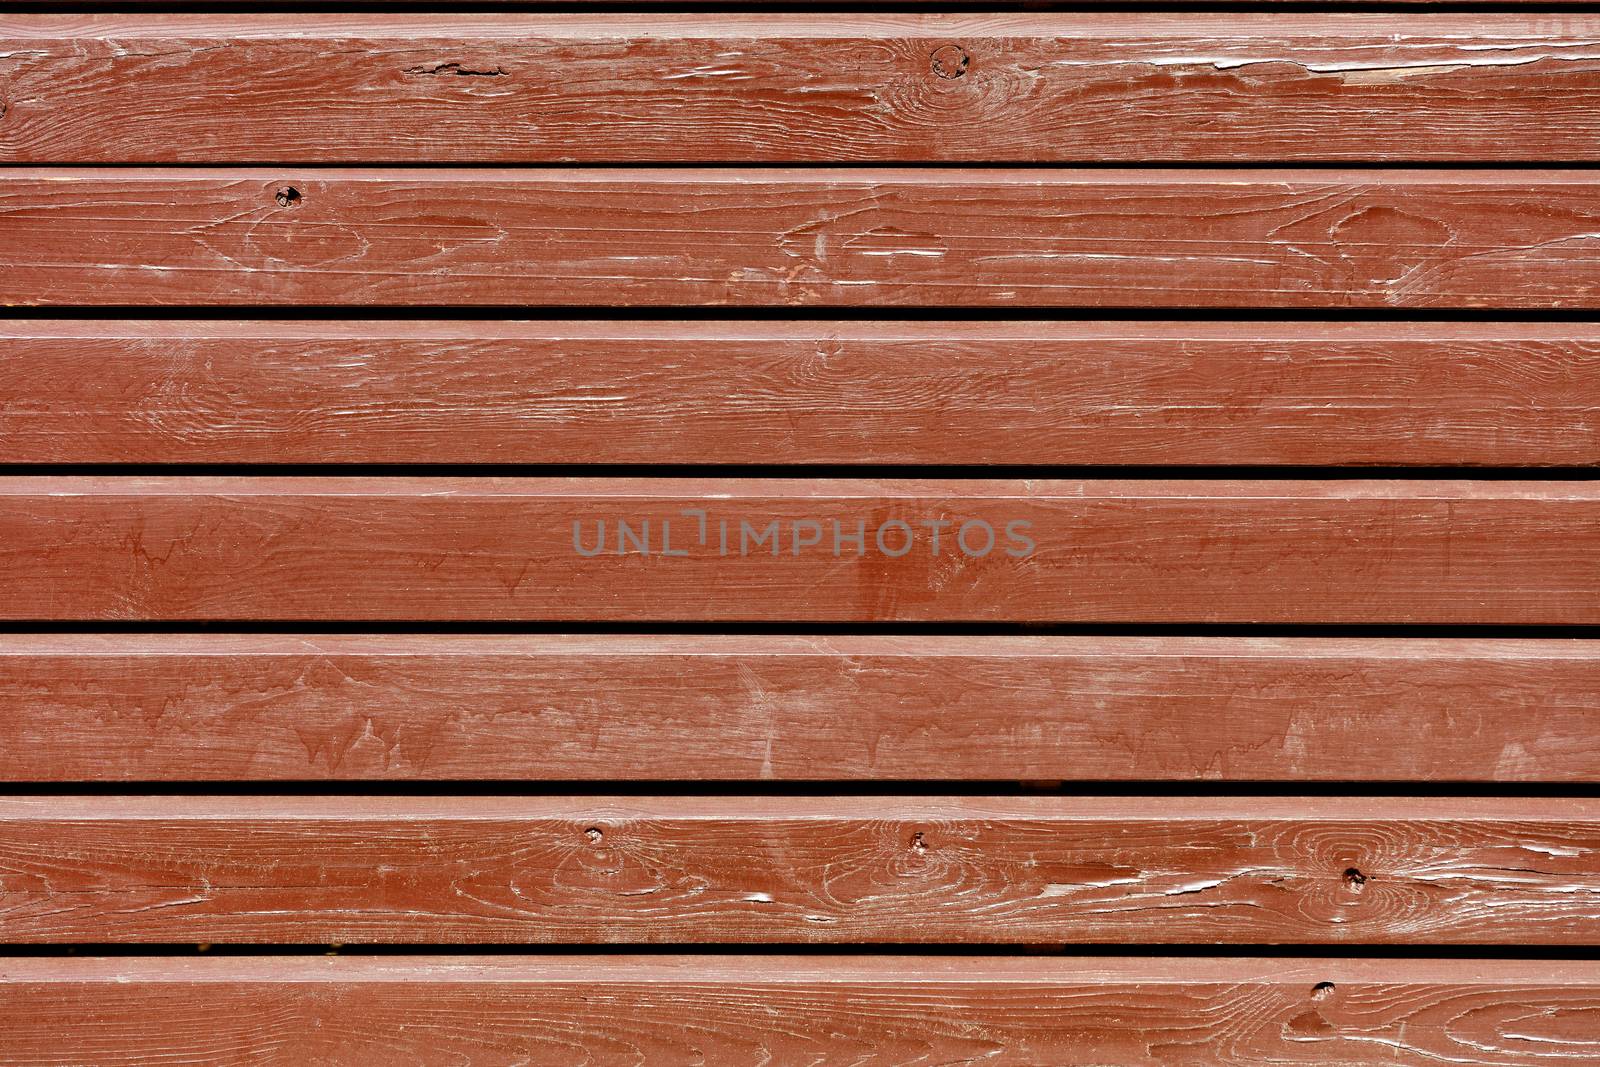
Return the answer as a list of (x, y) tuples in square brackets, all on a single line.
[(1322, 990), (594, 835), (288, 196), (919, 844), (950, 61), (1354, 880)]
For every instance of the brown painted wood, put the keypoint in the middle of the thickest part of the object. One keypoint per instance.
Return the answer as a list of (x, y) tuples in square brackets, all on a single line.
[(838, 869), (727, 1011), (115, 391), (1127, 87), (1338, 551), (861, 238), (213, 707)]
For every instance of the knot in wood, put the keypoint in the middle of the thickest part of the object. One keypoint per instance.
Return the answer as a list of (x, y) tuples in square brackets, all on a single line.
[(950, 61)]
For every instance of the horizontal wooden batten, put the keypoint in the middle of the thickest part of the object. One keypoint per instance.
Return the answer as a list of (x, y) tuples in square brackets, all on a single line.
[(771, 237), (99, 391), (792, 869), (800, 87), (228, 708), (715, 549), (744, 549), (890, 1011)]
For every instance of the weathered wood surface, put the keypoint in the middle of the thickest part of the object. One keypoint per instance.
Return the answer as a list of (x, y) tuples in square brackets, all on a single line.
[(850, 237), (120, 391), (1498, 552), (202, 707), (838, 869), (887, 1012), (797, 87)]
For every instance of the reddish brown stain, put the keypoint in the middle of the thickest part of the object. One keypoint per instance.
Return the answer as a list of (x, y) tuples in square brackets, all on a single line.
[(348, 161), (806, 87)]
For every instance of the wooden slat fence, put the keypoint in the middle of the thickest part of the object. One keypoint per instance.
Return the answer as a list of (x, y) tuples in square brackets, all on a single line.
[(1022, 536)]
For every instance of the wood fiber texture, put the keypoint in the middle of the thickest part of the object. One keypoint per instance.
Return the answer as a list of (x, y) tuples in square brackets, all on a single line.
[(628, 550), (237, 245), (772, 237), (839, 869), (796, 87), (841, 392), (883, 1012), (447, 708)]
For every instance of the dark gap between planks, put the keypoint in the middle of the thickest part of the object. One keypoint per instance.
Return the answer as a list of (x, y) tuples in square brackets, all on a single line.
[(382, 163), (793, 628), (811, 313), (747, 789), (1289, 951), (810, 471)]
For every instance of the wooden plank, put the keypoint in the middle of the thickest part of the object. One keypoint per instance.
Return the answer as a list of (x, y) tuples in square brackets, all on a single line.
[(801, 87), (837, 869), (228, 708), (1332, 551), (115, 391), (604, 237), (893, 1011)]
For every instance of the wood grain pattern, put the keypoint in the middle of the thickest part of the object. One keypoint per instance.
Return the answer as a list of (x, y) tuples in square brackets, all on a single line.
[(726, 1011), (81, 548), (839, 869), (859, 238), (120, 391), (1127, 87), (282, 125), (228, 708)]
